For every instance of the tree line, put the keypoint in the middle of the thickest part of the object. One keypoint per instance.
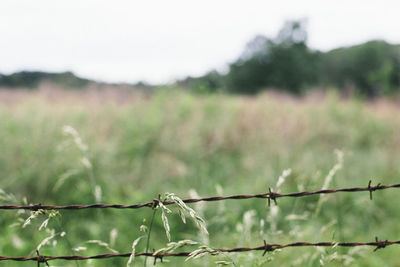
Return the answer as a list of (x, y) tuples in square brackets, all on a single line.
[(32, 79), (287, 63), (284, 62)]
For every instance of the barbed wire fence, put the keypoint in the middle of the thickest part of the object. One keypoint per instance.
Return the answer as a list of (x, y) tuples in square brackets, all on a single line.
[(269, 196), (266, 247)]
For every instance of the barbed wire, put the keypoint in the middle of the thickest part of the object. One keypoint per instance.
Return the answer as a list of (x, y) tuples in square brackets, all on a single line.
[(266, 247), (269, 196)]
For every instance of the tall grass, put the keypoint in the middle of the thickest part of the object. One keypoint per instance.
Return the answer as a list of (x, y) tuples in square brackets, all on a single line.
[(187, 144)]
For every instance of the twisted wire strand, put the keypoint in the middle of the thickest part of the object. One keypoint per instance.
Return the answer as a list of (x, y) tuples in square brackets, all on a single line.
[(266, 247), (269, 195)]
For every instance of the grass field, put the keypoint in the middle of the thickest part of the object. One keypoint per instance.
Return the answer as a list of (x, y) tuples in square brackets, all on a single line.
[(132, 148)]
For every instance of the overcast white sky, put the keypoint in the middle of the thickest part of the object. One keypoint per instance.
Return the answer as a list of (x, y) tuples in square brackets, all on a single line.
[(158, 41)]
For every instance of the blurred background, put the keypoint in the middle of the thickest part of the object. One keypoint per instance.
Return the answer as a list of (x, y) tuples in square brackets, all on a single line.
[(119, 102)]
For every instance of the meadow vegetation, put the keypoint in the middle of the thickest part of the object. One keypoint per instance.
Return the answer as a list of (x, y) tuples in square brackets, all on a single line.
[(81, 149)]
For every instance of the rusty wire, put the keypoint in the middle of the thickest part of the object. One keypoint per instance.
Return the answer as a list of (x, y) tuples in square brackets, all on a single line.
[(266, 247), (269, 196)]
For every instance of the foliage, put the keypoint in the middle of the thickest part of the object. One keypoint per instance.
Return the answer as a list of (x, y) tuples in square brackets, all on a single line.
[(372, 69), (287, 63), (32, 79)]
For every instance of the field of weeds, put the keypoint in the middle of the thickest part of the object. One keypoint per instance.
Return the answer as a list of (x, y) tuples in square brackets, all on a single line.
[(68, 148)]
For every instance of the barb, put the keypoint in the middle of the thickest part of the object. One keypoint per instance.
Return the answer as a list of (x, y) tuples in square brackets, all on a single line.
[(269, 196), (265, 247), (41, 259)]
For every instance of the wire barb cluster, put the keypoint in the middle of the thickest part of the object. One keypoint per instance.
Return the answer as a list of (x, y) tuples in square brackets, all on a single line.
[(41, 259), (266, 247), (270, 195)]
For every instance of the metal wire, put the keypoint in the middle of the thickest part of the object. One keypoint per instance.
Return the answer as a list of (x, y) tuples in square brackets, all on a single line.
[(266, 247), (269, 196)]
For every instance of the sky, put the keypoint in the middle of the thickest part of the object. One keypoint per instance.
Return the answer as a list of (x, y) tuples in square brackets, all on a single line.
[(160, 41)]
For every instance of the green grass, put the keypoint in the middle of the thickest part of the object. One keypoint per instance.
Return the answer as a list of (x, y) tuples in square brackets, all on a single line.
[(178, 142)]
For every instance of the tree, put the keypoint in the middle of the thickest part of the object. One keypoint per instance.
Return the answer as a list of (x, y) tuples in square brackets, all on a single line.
[(285, 62), (371, 68)]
